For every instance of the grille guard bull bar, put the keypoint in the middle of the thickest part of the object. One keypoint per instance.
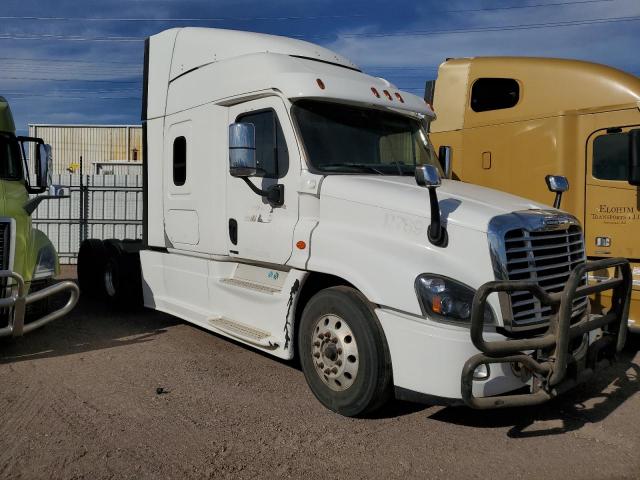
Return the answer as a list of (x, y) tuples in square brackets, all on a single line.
[(18, 301), (550, 372)]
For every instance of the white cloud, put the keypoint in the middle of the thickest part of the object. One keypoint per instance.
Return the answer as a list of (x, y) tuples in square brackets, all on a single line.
[(615, 44)]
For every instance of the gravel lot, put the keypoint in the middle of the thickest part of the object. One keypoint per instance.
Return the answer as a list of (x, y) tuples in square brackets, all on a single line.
[(78, 399)]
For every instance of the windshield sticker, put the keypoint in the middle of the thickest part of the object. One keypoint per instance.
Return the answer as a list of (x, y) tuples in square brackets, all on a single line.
[(616, 214)]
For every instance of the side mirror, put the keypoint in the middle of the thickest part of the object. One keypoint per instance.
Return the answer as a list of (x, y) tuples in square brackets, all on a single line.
[(41, 162), (557, 184), (242, 150), (444, 155), (242, 161), (428, 176), (42, 166), (634, 157)]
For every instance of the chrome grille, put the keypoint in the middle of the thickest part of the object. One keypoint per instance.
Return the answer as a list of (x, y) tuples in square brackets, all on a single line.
[(548, 258), (5, 246), (5, 243), (539, 246)]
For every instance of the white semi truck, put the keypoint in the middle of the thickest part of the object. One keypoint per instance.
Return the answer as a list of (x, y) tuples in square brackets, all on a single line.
[(291, 203)]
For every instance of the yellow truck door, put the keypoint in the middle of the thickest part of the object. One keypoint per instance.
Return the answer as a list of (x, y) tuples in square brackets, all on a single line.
[(612, 210), (612, 216)]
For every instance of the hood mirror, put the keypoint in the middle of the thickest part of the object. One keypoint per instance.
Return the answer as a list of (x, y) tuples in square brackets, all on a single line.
[(444, 155), (557, 184), (428, 176)]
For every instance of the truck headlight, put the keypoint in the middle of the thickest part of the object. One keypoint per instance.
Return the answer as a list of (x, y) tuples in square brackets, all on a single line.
[(46, 264), (446, 299)]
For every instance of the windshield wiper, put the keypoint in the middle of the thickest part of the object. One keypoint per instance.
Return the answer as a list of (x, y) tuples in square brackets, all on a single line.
[(352, 166)]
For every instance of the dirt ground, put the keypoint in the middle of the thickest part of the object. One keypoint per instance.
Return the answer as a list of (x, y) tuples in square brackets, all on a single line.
[(79, 399)]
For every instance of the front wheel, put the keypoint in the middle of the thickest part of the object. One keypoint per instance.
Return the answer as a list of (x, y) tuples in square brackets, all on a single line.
[(344, 353)]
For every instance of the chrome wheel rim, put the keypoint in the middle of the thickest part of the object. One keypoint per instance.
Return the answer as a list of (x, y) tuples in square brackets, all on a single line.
[(334, 352), (108, 282)]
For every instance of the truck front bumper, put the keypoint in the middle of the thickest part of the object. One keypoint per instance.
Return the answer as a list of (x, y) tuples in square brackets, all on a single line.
[(556, 360), (16, 304)]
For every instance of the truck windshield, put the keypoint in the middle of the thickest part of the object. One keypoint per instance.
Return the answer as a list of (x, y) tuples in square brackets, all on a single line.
[(347, 139), (10, 158)]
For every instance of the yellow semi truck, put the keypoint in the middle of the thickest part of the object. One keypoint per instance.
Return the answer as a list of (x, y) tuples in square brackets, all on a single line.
[(507, 122)]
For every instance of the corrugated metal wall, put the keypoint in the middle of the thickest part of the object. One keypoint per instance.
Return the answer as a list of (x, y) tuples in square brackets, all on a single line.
[(94, 143)]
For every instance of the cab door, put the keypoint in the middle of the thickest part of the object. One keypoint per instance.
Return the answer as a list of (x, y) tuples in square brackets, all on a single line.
[(612, 216), (260, 231)]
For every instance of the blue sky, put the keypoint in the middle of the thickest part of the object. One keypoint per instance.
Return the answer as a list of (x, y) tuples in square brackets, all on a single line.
[(70, 61)]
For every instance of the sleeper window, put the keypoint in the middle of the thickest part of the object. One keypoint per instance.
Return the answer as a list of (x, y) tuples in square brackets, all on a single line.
[(272, 155), (494, 94), (611, 157), (179, 161)]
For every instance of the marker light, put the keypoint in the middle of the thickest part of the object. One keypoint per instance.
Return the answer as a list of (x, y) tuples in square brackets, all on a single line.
[(399, 97), (301, 245), (320, 83), (375, 92), (388, 95)]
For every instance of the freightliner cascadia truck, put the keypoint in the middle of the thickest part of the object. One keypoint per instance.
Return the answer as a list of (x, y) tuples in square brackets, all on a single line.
[(295, 204), (510, 121), (28, 260)]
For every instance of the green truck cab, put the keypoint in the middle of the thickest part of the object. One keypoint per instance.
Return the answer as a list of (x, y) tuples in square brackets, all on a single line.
[(28, 260)]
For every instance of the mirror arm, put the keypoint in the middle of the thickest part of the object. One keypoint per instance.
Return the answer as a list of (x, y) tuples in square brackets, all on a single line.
[(436, 233), (31, 205), (274, 194), (558, 199)]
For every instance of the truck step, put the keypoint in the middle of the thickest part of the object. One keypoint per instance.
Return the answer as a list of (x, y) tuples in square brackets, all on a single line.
[(244, 332), (258, 287)]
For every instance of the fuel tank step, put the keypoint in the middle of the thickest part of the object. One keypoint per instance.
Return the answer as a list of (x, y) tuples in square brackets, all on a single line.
[(258, 287), (244, 332)]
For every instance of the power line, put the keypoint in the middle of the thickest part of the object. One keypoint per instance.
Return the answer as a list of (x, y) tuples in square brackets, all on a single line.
[(44, 64), (74, 38), (68, 80), (173, 19), (62, 60), (76, 91), (71, 97), (275, 18), (36, 36), (514, 7), (530, 26)]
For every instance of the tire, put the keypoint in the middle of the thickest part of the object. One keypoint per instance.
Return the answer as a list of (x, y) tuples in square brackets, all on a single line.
[(37, 310), (121, 280), (351, 370), (92, 258)]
